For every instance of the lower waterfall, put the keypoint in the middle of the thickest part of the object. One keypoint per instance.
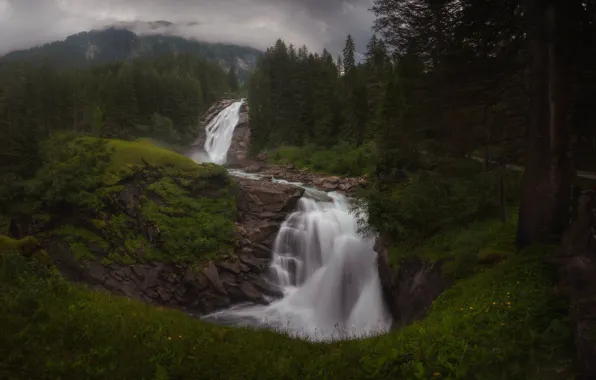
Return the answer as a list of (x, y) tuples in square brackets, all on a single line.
[(328, 275)]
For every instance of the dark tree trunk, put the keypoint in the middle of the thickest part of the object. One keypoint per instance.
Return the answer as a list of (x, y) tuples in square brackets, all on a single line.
[(547, 179)]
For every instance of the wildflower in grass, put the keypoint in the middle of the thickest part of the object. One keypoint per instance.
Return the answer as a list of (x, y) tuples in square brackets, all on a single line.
[(471, 308), (508, 303), (169, 338), (494, 303)]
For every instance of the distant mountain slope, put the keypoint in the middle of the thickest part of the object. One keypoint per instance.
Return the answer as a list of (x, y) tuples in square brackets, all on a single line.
[(118, 44)]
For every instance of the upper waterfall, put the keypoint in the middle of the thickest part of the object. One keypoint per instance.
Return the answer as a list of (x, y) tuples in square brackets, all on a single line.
[(220, 131)]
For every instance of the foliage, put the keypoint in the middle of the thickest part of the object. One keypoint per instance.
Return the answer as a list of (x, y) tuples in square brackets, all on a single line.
[(462, 250), (71, 172), (341, 159), (503, 322), (429, 201)]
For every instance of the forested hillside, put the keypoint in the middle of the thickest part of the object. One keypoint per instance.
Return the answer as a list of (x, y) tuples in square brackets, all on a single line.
[(160, 98), (439, 83), (119, 44)]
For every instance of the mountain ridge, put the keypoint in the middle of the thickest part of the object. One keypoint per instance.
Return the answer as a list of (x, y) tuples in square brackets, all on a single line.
[(119, 43)]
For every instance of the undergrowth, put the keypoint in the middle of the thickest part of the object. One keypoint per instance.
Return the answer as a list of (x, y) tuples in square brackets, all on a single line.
[(463, 249), (503, 322)]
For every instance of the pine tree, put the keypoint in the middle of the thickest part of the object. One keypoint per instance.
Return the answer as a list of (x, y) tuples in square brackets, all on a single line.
[(233, 79), (349, 55)]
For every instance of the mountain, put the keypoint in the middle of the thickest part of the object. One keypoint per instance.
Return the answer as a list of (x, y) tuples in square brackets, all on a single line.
[(127, 41)]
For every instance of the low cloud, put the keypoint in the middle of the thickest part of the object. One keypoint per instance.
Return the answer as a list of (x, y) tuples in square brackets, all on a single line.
[(258, 23)]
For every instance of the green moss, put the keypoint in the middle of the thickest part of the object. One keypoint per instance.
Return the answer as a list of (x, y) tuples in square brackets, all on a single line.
[(28, 247), (191, 228), (25, 246), (79, 240), (81, 252), (4, 224)]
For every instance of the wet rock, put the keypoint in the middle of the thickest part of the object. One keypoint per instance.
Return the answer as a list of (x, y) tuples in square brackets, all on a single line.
[(233, 266), (253, 169), (211, 273), (252, 294), (258, 265)]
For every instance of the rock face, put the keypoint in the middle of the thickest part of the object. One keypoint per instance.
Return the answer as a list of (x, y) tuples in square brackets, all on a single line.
[(410, 291), (263, 206), (576, 261)]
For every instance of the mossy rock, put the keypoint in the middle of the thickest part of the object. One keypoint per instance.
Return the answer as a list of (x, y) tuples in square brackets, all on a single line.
[(28, 247)]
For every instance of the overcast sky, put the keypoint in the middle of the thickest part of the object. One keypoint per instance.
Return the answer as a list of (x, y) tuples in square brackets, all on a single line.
[(257, 23)]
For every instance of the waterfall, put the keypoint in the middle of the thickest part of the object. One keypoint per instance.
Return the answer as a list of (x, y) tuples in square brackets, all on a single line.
[(328, 274), (220, 132)]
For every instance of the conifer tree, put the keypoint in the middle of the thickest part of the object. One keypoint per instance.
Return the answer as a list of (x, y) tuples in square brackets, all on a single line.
[(233, 79)]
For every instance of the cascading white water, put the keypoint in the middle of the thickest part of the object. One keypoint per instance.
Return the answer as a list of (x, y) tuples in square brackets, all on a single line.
[(327, 272), (220, 132)]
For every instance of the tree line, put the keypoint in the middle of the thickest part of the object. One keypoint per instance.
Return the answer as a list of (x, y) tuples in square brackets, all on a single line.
[(161, 97), (512, 81)]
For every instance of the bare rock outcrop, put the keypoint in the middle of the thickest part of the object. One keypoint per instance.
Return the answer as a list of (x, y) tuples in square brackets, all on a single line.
[(410, 290)]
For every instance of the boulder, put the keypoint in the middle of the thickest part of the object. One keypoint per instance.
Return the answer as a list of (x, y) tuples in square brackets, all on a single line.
[(257, 197)]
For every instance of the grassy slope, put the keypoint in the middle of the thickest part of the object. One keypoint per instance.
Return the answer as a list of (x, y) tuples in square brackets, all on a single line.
[(81, 192), (503, 322)]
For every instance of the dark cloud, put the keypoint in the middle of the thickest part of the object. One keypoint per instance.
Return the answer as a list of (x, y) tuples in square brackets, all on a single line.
[(258, 23)]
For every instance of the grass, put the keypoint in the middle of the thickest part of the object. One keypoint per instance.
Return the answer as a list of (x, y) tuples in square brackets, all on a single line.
[(127, 155), (501, 322), (342, 159)]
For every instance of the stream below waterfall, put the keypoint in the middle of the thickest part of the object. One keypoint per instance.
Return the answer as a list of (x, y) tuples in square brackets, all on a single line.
[(326, 269)]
